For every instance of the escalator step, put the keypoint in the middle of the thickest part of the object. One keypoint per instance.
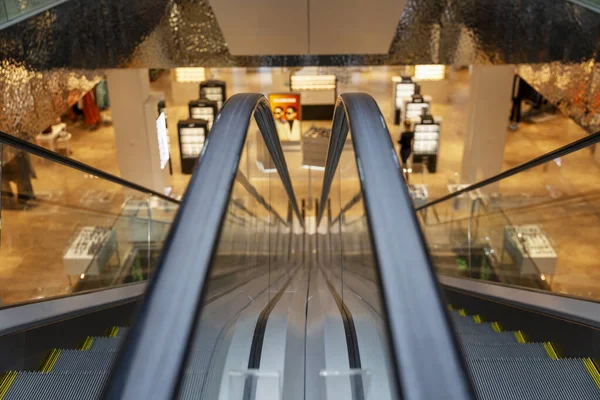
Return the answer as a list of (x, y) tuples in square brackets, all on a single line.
[(532, 379), (191, 386), (496, 337), (117, 331), (459, 319), (56, 386), (510, 350), (84, 361), (475, 329), (106, 343)]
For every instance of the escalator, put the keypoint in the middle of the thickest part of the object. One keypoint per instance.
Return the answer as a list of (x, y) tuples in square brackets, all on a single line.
[(243, 291)]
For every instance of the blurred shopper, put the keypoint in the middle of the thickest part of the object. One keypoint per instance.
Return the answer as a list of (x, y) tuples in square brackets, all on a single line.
[(406, 141), (17, 168)]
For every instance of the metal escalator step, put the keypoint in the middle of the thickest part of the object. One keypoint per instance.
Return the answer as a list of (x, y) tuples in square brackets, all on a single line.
[(475, 329), (57, 386), (456, 317), (463, 321), (106, 343), (532, 379), (504, 350), (495, 337), (85, 361)]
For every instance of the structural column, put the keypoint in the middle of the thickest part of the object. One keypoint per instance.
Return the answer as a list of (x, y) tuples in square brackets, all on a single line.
[(487, 121), (134, 113)]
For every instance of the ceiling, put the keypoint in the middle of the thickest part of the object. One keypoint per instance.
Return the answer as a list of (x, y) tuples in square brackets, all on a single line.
[(300, 27), (223, 33)]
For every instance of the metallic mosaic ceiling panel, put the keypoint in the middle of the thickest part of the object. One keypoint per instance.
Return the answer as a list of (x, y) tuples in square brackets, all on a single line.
[(31, 101), (166, 33), (574, 88), (40, 54)]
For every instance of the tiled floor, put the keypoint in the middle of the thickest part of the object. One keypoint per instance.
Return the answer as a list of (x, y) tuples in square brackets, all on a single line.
[(561, 198)]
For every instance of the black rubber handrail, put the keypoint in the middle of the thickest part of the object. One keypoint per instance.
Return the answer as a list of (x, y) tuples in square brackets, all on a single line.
[(426, 354), (536, 162), (155, 350), (39, 151)]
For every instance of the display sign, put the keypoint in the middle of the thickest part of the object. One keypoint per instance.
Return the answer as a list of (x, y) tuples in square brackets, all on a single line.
[(404, 88), (426, 142), (319, 93), (215, 91), (414, 108), (203, 109), (286, 112), (192, 135), (89, 250), (162, 108), (163, 140), (530, 249)]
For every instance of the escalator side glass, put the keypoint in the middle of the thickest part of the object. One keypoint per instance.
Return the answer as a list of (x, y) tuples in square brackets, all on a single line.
[(256, 258), (541, 238), (64, 231), (349, 271)]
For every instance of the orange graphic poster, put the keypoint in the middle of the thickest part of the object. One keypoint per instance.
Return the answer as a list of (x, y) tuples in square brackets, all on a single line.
[(286, 112)]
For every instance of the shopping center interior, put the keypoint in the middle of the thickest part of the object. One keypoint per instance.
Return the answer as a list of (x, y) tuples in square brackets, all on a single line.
[(557, 184), (202, 199)]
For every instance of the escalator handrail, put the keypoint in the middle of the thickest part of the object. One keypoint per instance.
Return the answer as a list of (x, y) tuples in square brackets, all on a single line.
[(427, 359), (39, 151), (536, 162), (155, 351)]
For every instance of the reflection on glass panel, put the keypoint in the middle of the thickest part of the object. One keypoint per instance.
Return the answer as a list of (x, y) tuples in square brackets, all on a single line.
[(16, 8), (3, 13), (347, 277), (255, 277), (541, 238), (64, 231)]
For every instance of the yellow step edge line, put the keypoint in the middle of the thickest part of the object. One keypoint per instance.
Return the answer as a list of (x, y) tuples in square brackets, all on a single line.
[(48, 361), (51, 360), (450, 307), (6, 382), (477, 318), (114, 331), (551, 350), (88, 343), (591, 367), (462, 312), (496, 326), (520, 337)]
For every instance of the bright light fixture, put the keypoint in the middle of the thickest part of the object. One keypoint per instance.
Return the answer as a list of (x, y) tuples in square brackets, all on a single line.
[(190, 74), (430, 72), (313, 82), (313, 167)]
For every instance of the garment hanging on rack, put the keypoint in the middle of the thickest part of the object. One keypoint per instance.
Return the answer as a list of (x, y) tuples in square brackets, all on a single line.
[(90, 110), (102, 100)]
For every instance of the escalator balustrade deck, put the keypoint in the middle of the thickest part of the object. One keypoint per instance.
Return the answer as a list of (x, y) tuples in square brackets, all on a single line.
[(504, 366)]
